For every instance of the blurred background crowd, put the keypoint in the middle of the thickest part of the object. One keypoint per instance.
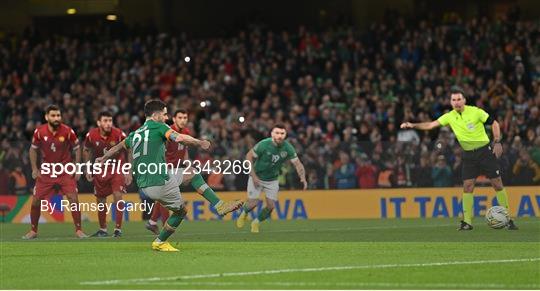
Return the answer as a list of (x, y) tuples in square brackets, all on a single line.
[(341, 92)]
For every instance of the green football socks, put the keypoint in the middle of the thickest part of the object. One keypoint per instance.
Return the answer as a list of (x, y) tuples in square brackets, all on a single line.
[(172, 223), (245, 208), (265, 213), (200, 186)]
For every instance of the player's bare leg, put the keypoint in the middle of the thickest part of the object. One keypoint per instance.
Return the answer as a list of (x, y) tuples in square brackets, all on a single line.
[(265, 214), (119, 208), (102, 218), (502, 199), (35, 213), (198, 183), (246, 208), (73, 199)]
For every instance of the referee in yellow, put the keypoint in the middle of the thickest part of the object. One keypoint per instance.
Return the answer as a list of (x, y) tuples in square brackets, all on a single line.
[(479, 156)]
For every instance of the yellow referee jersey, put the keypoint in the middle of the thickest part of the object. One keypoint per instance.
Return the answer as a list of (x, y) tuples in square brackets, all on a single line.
[(468, 126)]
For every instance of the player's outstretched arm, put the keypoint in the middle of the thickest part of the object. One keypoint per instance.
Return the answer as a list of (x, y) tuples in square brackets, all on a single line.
[(300, 170), (422, 125), (112, 152), (187, 139)]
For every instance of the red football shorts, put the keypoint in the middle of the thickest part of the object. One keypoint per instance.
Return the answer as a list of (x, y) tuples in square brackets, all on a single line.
[(47, 186), (105, 186)]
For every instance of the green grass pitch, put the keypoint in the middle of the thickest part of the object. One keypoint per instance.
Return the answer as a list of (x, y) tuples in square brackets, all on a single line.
[(304, 254)]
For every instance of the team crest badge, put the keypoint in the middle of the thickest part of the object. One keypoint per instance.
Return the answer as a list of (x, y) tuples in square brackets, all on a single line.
[(97, 143), (46, 138), (113, 143), (283, 154), (61, 139)]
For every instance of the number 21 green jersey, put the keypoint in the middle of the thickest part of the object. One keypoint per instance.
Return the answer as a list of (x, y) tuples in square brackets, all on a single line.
[(147, 145)]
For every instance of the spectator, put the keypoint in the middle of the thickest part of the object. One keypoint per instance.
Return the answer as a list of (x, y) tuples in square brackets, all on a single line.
[(387, 177), (402, 178), (215, 181), (4, 181), (408, 135), (456, 168), (422, 174), (332, 90), (366, 172), (286, 176), (18, 181), (345, 172), (535, 151), (526, 171), (441, 173)]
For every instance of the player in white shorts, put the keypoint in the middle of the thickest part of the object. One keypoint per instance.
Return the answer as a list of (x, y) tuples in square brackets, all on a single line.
[(270, 154)]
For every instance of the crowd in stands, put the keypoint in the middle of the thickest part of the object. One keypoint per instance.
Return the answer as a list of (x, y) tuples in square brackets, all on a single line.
[(341, 92)]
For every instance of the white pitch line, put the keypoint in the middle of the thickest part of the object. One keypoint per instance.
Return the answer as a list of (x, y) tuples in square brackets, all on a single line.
[(301, 270), (352, 284)]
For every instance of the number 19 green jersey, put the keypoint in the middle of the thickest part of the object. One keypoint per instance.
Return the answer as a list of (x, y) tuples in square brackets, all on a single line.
[(148, 151), (271, 157)]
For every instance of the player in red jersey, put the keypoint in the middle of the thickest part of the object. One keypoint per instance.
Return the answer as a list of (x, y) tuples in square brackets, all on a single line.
[(97, 141), (56, 142), (175, 154)]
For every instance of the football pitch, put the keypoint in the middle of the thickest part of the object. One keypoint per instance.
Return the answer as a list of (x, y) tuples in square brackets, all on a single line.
[(303, 254)]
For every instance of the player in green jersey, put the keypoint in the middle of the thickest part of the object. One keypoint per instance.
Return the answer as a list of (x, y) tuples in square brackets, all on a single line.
[(270, 154), (479, 156), (147, 145)]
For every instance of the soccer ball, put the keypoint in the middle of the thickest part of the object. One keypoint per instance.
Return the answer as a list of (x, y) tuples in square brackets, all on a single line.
[(497, 217)]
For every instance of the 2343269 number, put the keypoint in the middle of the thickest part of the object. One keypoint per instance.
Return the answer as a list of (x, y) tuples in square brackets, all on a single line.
[(225, 167)]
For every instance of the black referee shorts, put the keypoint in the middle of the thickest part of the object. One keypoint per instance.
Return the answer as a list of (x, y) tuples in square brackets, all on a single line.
[(481, 161)]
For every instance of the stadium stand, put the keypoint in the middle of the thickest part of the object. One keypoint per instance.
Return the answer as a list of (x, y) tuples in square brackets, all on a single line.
[(341, 93)]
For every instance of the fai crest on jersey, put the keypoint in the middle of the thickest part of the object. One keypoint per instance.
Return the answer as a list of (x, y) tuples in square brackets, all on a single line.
[(97, 143), (113, 143), (61, 139), (46, 138), (283, 154)]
